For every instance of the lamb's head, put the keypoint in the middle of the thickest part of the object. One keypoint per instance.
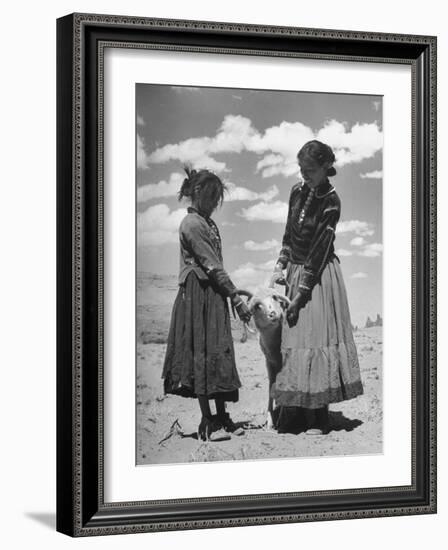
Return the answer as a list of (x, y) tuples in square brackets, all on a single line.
[(267, 307)]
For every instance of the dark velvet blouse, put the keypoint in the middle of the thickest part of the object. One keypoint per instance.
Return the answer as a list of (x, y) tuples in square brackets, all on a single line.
[(310, 243), (201, 252)]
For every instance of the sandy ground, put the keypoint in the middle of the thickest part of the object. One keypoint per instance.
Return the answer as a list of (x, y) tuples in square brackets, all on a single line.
[(356, 424)]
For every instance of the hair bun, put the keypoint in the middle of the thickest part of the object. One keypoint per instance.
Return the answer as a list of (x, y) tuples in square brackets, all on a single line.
[(320, 153), (187, 185), (191, 173)]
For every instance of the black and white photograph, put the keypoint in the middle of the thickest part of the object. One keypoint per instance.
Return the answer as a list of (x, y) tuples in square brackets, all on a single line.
[(259, 274), (223, 236)]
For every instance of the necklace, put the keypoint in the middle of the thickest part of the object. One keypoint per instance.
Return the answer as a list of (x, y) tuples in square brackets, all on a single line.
[(325, 194), (311, 194), (215, 234), (305, 207)]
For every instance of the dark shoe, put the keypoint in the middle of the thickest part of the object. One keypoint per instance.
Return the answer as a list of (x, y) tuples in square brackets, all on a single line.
[(219, 435)]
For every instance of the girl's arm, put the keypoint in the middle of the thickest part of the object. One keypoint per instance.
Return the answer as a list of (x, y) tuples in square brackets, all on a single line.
[(321, 244), (198, 239)]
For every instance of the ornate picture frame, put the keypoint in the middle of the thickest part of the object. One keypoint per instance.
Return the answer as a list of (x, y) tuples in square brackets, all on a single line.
[(81, 506)]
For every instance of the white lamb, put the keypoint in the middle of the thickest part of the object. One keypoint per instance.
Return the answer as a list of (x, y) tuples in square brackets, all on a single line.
[(267, 307)]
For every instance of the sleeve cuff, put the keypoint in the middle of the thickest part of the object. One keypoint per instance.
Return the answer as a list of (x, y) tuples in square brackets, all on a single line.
[(223, 281), (307, 280)]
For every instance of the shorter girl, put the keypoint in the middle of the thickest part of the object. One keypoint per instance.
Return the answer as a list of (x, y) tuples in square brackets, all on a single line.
[(200, 358)]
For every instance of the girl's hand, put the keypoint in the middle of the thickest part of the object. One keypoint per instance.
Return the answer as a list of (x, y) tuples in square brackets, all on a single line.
[(277, 277), (243, 311), (241, 308), (292, 313)]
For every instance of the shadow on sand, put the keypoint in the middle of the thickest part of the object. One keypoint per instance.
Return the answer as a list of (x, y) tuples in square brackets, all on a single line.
[(292, 420)]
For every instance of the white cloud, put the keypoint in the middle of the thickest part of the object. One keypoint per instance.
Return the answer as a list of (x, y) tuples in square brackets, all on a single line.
[(376, 174), (171, 187), (353, 145), (157, 225), (142, 159), (235, 193), (273, 211), (372, 250), (359, 275), (192, 151), (355, 226), (140, 121), (161, 189), (230, 138), (266, 245), (278, 145), (281, 143), (250, 276), (358, 241), (233, 136), (343, 252)]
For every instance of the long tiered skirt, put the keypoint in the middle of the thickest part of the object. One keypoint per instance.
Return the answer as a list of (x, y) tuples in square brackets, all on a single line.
[(200, 357), (320, 361)]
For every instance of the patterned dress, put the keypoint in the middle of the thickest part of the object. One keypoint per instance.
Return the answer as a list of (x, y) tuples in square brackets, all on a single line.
[(200, 357), (320, 361)]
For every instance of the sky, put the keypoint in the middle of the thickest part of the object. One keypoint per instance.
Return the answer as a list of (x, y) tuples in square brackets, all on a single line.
[(250, 138)]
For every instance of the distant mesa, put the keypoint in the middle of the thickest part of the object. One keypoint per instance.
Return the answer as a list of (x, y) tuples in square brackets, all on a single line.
[(369, 323), (377, 323)]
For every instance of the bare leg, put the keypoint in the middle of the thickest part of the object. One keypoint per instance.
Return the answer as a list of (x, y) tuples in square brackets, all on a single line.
[(206, 425), (220, 407), (273, 369), (224, 418), (204, 404), (270, 424)]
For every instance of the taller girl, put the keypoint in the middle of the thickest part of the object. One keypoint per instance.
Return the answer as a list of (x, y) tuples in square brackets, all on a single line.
[(320, 361)]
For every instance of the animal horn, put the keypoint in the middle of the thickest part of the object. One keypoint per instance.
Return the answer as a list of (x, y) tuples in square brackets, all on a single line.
[(282, 298), (242, 292)]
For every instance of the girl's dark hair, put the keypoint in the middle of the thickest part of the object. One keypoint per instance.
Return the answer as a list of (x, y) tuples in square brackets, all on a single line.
[(203, 185), (320, 153)]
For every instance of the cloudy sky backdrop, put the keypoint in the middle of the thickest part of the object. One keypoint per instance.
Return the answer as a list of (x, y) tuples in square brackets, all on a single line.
[(250, 138)]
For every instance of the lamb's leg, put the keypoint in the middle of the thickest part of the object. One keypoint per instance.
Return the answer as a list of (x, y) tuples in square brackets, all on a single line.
[(270, 424), (272, 369), (273, 365)]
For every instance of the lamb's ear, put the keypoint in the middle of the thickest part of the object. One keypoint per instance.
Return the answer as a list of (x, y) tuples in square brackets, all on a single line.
[(283, 300)]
